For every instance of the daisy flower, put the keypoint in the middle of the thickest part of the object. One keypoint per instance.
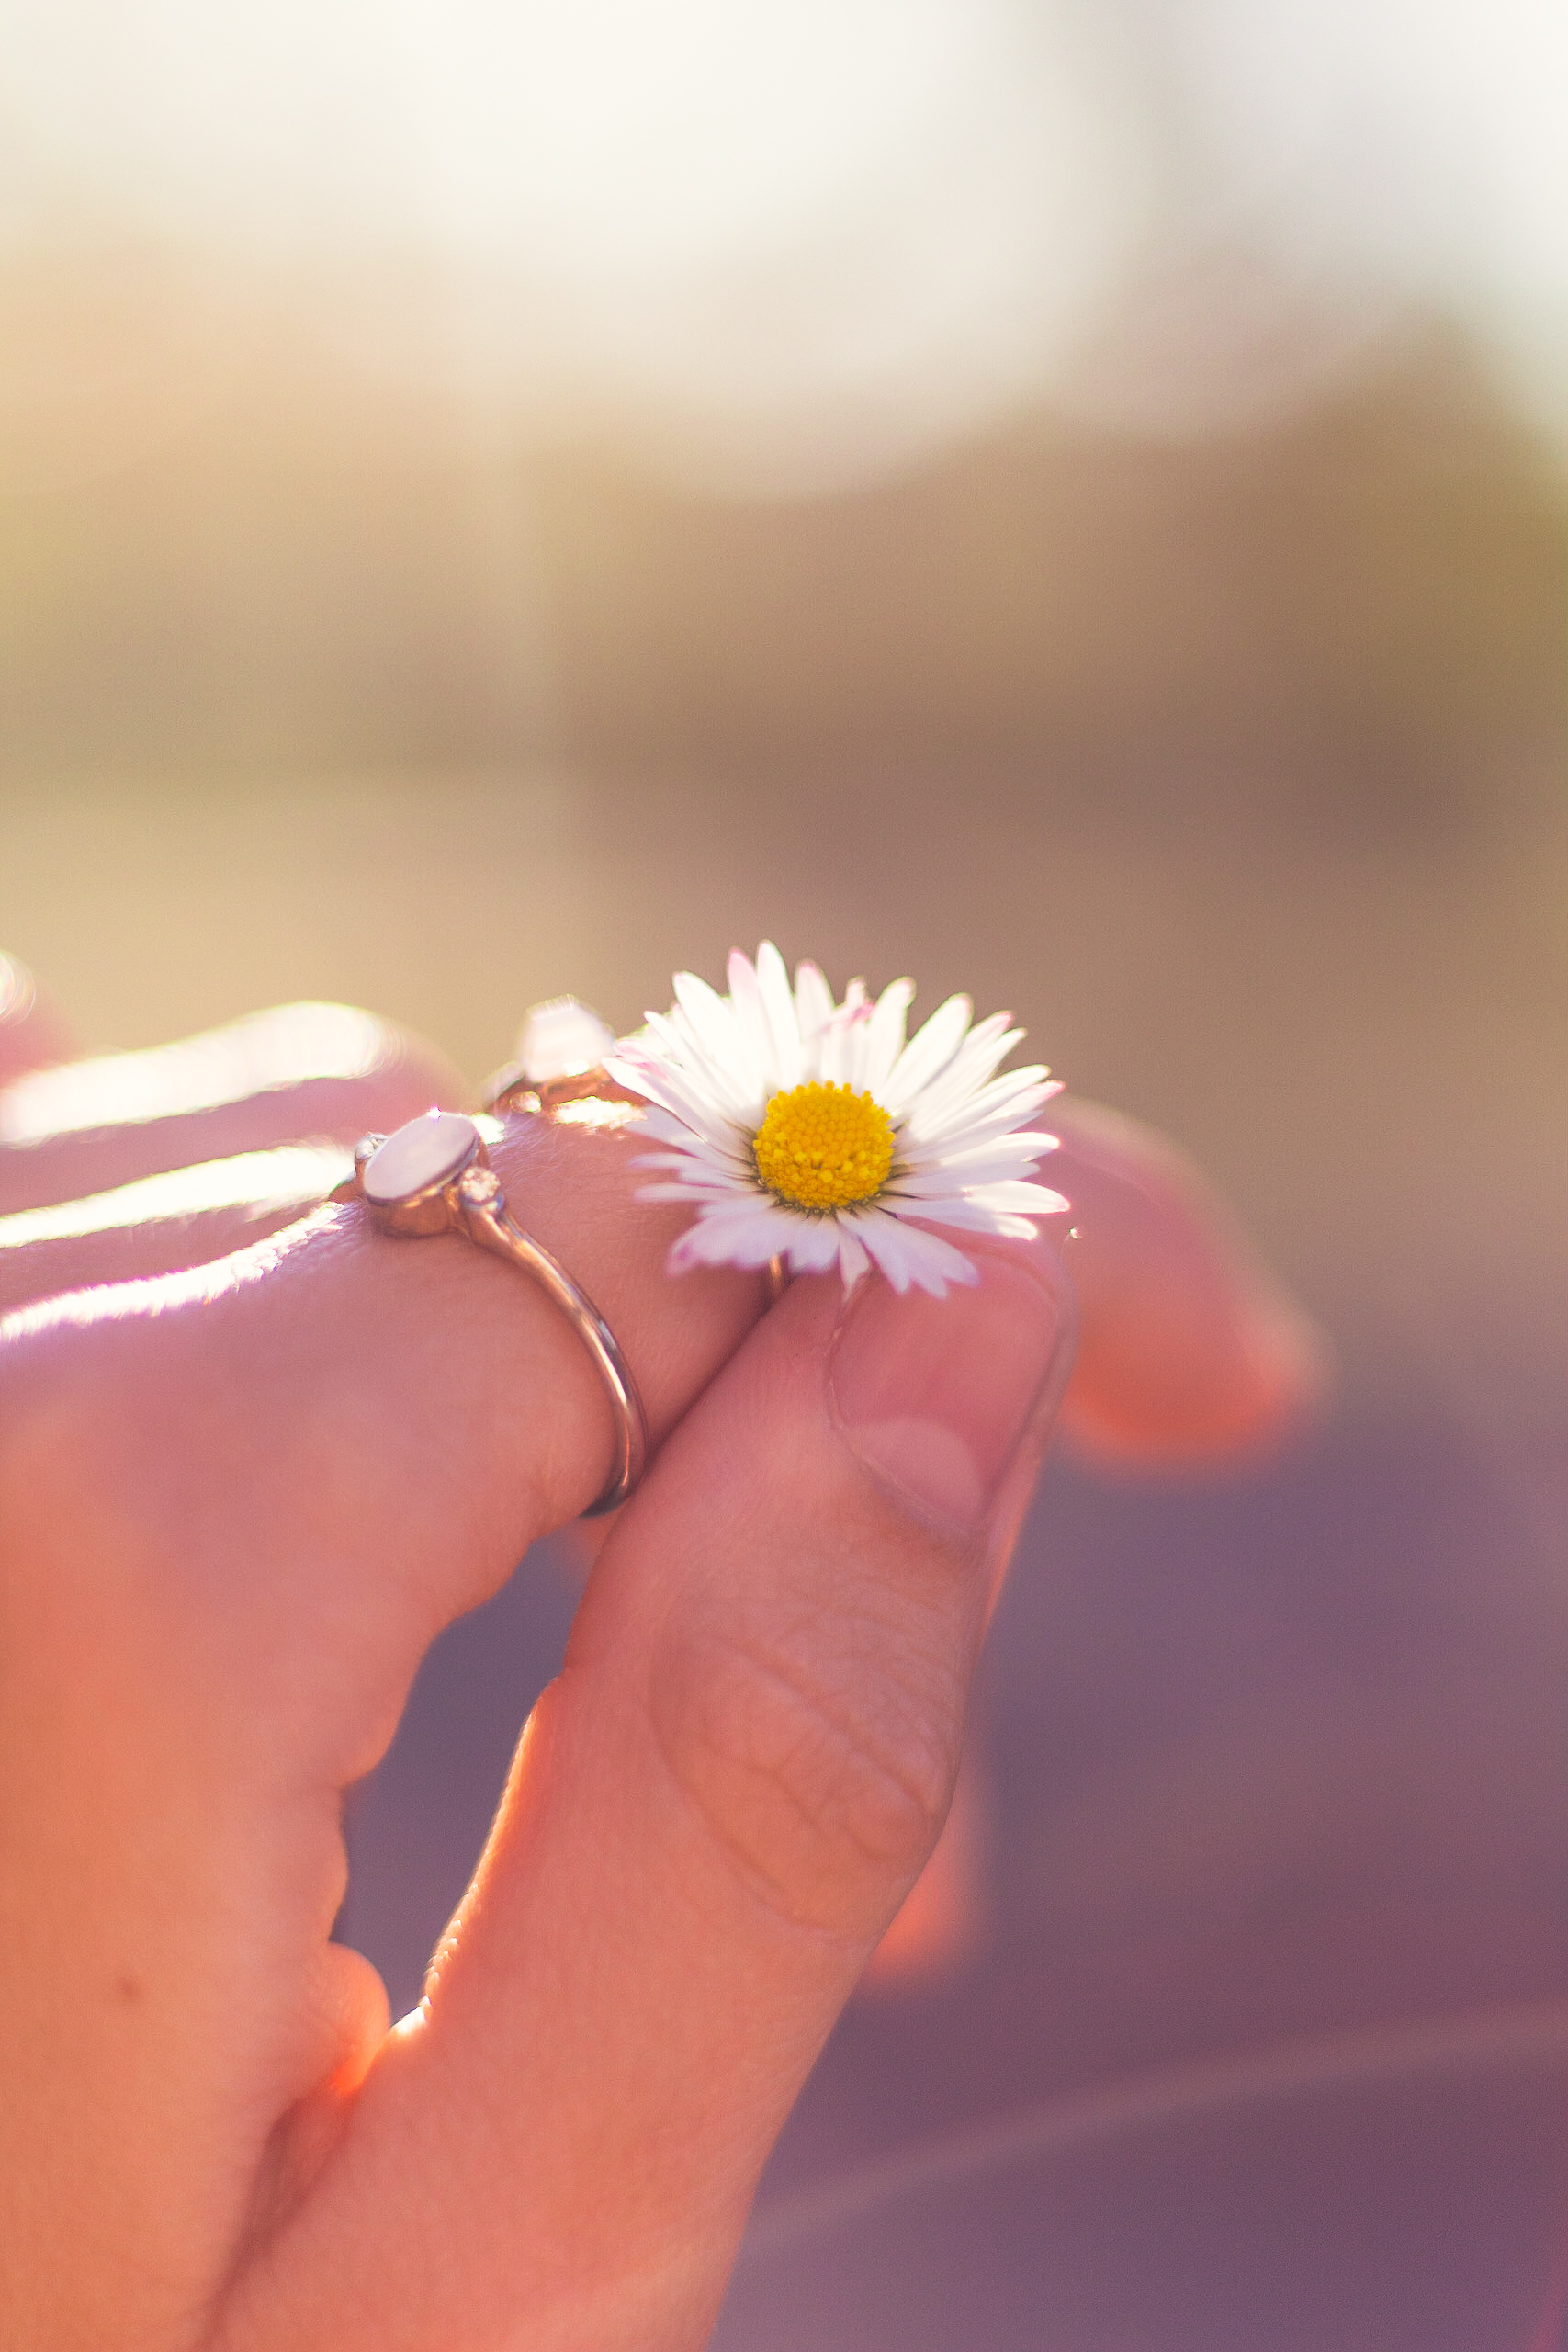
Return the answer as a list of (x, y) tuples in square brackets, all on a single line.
[(812, 1132)]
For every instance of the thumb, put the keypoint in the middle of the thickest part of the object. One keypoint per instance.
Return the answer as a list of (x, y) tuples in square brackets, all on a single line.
[(716, 1811)]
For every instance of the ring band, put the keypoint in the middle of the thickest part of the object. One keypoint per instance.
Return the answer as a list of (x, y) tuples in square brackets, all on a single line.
[(432, 1175)]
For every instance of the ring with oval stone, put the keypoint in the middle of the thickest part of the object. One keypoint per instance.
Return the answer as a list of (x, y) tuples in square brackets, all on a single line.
[(432, 1175)]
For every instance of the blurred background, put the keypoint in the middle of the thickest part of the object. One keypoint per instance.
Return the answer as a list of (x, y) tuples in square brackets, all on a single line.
[(1066, 501)]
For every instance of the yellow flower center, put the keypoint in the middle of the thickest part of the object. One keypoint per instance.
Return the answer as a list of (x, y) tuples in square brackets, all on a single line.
[(823, 1148)]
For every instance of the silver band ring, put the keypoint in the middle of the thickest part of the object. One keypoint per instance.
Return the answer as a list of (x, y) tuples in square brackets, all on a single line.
[(432, 1175)]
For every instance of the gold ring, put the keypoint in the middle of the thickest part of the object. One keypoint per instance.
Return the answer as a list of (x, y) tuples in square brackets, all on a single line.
[(432, 1175)]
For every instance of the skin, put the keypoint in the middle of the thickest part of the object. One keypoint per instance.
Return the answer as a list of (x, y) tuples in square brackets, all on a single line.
[(236, 1506)]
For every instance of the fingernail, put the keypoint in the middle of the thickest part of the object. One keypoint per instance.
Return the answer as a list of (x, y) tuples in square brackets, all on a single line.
[(937, 1395)]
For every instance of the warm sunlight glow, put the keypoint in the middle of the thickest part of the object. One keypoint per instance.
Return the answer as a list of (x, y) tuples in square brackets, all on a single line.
[(842, 222), (283, 1048), (807, 236), (294, 1176)]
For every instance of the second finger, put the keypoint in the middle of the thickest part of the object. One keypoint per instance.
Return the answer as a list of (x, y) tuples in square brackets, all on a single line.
[(81, 1128), (144, 1163)]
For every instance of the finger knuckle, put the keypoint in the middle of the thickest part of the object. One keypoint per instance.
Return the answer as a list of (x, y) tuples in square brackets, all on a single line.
[(824, 1768)]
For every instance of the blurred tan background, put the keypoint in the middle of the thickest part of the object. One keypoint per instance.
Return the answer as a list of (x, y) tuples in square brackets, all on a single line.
[(1233, 764)]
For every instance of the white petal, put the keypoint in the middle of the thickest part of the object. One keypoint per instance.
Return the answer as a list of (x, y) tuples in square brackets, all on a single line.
[(965, 1079), (706, 1194), (759, 1209), (1009, 1144), (983, 1135), (986, 1163), (842, 1052), (783, 1020), (852, 1259), (698, 1081), (1013, 1152), (704, 1162), (882, 1237), (940, 1102), (976, 1217), (678, 1043), (719, 1031), (1024, 1200), (928, 1051), (701, 1163), (700, 1158), (732, 1238), (746, 997), (675, 1063), (926, 1259), (1008, 1101), (814, 1244), (657, 1084), (694, 1165), (813, 1000), (947, 1183), (669, 1037), (970, 1067), (835, 1050), (884, 1036), (964, 1217), (663, 1127)]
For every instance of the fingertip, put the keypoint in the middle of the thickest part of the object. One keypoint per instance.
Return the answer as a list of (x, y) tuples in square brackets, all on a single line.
[(934, 1395), (1192, 1355), (1226, 1400)]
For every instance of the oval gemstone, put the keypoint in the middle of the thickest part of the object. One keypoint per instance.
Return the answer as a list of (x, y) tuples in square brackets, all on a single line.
[(427, 1150)]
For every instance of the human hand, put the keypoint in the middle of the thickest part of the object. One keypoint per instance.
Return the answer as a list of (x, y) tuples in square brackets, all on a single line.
[(235, 1507)]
